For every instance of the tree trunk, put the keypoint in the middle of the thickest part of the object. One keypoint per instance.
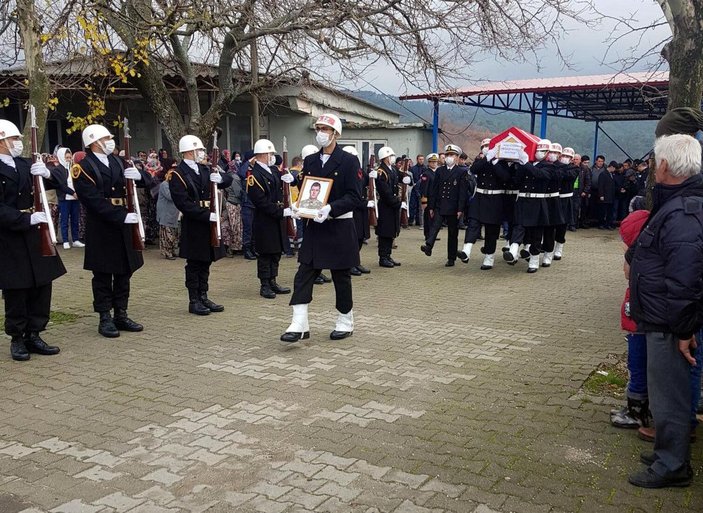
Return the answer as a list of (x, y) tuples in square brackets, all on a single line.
[(39, 90), (685, 54)]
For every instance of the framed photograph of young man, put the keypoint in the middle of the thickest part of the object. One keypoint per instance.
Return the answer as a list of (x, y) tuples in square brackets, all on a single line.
[(314, 194)]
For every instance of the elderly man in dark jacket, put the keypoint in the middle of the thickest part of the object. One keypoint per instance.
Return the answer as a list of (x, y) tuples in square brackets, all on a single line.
[(666, 300)]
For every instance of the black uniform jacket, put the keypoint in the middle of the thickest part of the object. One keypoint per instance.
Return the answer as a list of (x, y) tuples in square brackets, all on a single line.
[(387, 190), (333, 244), (426, 180), (556, 214), (265, 191), (108, 241), (190, 192), (569, 173), (485, 207), (361, 214), (21, 263), (449, 192), (532, 179)]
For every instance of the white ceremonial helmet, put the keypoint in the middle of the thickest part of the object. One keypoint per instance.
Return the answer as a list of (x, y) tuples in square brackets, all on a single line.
[(544, 145), (568, 152), (93, 133), (352, 150), (8, 129), (331, 121), (384, 152), (452, 148), (555, 148), (486, 142), (190, 143), (263, 146), (308, 150)]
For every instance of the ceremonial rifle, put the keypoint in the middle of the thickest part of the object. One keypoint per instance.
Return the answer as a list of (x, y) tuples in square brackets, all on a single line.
[(287, 199), (404, 196), (138, 235), (373, 211), (215, 228), (47, 232)]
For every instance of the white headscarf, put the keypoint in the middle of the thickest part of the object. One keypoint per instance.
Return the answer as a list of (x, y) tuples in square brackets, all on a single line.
[(61, 155)]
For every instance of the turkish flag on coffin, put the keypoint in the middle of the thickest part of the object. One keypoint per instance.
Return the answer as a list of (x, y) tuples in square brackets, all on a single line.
[(513, 140)]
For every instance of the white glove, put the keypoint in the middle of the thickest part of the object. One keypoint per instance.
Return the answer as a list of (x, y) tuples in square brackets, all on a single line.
[(371, 204), (131, 173), (132, 218), (523, 158), (323, 214), (407, 180), (373, 174), (38, 217), (404, 205), (40, 169), (491, 154), (287, 212), (288, 178), (294, 212), (213, 217), (215, 177)]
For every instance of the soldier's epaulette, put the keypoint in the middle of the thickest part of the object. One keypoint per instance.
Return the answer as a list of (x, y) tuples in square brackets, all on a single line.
[(251, 180), (383, 172), (172, 172), (77, 171)]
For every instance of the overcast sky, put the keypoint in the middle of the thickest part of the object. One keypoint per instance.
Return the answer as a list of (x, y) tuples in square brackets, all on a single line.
[(586, 46)]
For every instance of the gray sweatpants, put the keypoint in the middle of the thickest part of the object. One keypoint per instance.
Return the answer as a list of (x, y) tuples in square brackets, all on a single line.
[(669, 386)]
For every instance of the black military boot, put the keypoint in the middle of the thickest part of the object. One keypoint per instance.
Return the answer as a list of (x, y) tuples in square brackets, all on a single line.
[(277, 288), (394, 262), (325, 278), (195, 304), (18, 349), (319, 280), (107, 326), (362, 269), (124, 323), (249, 253), (354, 271), (426, 249), (266, 290), (35, 344), (385, 262), (213, 307)]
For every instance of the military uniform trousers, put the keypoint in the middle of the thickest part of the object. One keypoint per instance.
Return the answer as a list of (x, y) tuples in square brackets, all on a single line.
[(531, 235), (197, 274), (305, 280), (548, 236), (267, 266), (27, 310), (385, 247), (110, 291), (492, 232), (452, 233)]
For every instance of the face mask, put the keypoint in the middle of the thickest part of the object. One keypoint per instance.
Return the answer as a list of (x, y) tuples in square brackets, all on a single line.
[(238, 160), (449, 161), (152, 162), (199, 155), (16, 149), (539, 155), (565, 160), (484, 149), (552, 157), (272, 160), (392, 159), (323, 139), (108, 146)]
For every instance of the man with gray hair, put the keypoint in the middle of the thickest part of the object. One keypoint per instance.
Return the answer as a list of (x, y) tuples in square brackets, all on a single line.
[(666, 300)]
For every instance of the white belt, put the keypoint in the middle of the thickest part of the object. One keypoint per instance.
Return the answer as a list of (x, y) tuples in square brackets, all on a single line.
[(490, 192), (347, 215), (539, 195), (511, 192), (567, 195)]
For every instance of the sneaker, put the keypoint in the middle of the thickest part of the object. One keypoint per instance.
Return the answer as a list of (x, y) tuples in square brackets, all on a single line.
[(78, 244), (66, 245)]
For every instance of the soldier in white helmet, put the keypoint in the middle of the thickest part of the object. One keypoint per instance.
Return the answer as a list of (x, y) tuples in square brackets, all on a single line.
[(330, 240), (389, 205), (25, 276), (99, 181), (189, 184), (569, 173), (556, 213)]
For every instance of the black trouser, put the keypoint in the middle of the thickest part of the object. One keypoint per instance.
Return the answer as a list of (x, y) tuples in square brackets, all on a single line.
[(426, 222), (197, 274), (385, 247), (267, 266), (492, 232), (110, 291), (548, 235), (27, 310), (305, 279), (533, 237), (606, 215), (517, 234), (452, 235), (560, 234)]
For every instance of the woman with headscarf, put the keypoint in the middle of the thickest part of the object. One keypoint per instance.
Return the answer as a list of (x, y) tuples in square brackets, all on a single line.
[(232, 213), (69, 206)]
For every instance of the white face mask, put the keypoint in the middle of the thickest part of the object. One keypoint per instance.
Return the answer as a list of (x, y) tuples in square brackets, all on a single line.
[(272, 160), (199, 155), (552, 157), (484, 149), (449, 161), (108, 146), (323, 139), (392, 159), (16, 149), (539, 155), (565, 160)]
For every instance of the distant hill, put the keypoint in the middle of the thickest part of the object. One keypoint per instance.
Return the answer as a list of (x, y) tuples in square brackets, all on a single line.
[(635, 137)]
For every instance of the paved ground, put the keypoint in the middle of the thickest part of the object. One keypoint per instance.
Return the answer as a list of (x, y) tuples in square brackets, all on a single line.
[(458, 392)]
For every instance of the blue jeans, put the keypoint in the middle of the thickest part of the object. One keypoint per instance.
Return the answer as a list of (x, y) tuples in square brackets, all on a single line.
[(696, 378), (69, 209), (637, 366)]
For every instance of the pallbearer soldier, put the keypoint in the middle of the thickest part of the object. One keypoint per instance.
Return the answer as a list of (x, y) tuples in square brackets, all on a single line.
[(447, 201), (556, 214), (329, 240), (25, 275), (426, 183), (265, 191), (99, 181), (361, 214), (189, 184), (389, 205), (567, 200)]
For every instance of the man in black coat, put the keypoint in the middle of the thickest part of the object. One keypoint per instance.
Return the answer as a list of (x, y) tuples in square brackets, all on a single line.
[(569, 173), (606, 196), (389, 205), (265, 191), (425, 185), (25, 275), (556, 213), (447, 202), (415, 215), (189, 185), (99, 181), (361, 214), (330, 240)]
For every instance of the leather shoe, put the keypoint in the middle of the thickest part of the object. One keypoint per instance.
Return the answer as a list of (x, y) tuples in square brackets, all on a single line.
[(107, 327), (648, 433), (426, 249), (213, 307), (18, 350), (124, 323), (294, 336), (325, 278), (35, 344), (385, 262), (249, 254), (648, 458), (354, 271), (267, 292), (339, 335), (647, 478), (450, 263), (319, 280), (198, 308), (363, 270), (278, 289), (397, 264), (463, 257)]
